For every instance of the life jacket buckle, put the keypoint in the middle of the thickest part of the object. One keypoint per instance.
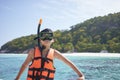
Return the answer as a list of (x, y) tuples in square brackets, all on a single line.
[(45, 59), (42, 69)]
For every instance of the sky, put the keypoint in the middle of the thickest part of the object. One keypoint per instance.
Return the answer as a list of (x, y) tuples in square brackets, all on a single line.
[(21, 17)]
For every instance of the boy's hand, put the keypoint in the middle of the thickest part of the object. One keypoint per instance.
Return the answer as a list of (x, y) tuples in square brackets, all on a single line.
[(81, 78)]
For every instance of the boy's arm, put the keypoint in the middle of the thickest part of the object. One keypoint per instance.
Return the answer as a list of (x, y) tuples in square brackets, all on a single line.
[(25, 64), (58, 55)]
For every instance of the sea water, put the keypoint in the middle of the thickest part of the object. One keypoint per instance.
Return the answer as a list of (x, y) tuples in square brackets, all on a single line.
[(94, 68)]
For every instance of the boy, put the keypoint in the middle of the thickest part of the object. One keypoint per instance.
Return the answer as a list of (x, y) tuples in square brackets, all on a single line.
[(42, 67)]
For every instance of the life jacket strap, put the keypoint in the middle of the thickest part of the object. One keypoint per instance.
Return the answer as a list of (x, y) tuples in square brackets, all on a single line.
[(45, 59), (41, 69), (40, 77)]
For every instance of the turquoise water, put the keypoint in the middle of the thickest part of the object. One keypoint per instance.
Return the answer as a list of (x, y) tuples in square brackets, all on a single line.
[(94, 68)]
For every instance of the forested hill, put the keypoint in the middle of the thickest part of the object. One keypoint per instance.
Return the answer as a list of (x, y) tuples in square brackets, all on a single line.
[(93, 35)]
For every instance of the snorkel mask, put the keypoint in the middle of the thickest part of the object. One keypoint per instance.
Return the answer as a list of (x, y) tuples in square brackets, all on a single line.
[(46, 34)]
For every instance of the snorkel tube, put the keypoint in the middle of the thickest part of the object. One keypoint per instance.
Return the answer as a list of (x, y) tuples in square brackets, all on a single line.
[(38, 31), (39, 25)]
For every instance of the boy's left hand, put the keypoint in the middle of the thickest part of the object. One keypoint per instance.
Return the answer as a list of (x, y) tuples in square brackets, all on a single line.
[(81, 78)]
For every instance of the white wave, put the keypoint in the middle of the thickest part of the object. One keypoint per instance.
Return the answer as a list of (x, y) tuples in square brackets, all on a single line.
[(93, 54)]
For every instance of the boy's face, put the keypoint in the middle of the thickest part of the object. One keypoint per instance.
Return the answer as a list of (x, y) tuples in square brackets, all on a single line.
[(46, 38)]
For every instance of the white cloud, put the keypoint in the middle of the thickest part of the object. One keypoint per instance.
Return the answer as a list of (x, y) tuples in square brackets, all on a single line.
[(5, 8), (95, 6)]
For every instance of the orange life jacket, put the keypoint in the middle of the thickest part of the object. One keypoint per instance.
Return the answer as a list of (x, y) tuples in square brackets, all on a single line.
[(41, 68)]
